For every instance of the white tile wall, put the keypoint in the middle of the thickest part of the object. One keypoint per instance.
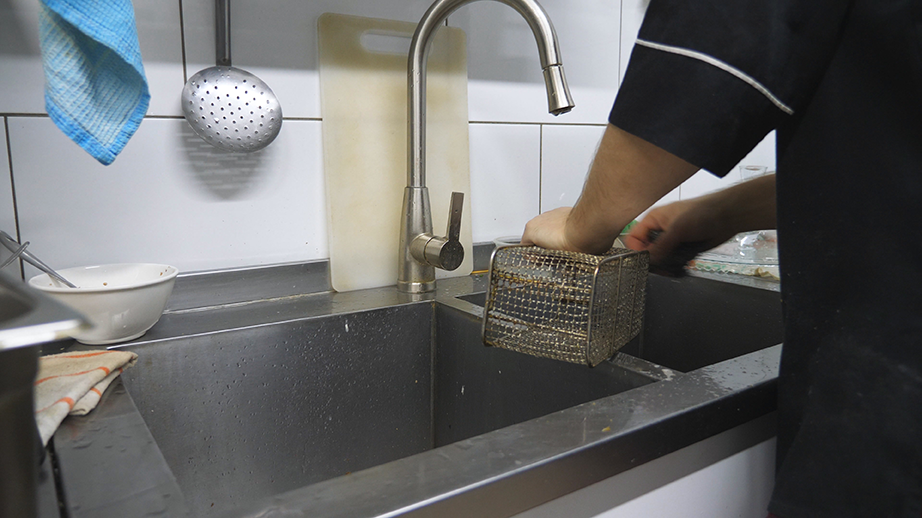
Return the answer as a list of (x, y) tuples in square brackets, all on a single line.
[(278, 41), (22, 79), (632, 12), (161, 50), (169, 198), (506, 79), (566, 154), (7, 215), (504, 178)]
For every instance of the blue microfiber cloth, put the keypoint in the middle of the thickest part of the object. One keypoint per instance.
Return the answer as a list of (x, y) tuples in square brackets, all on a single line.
[(95, 88)]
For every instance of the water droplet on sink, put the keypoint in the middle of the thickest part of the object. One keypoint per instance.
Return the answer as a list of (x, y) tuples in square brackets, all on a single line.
[(83, 442)]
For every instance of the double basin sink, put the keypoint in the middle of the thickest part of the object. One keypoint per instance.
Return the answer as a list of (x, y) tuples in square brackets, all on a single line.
[(377, 403)]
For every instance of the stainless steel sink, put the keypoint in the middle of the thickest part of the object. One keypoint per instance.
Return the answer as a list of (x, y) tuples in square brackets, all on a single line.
[(244, 414), (28, 319), (254, 412), (692, 322)]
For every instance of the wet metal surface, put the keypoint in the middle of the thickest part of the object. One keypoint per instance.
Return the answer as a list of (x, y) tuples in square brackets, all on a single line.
[(376, 403), (275, 310), (249, 413), (693, 322), (204, 289), (480, 389), (254, 412), (512, 469), (47, 497), (111, 466), (209, 289), (28, 319)]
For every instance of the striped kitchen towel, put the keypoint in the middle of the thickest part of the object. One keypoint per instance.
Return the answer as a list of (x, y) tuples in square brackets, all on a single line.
[(72, 383), (95, 88)]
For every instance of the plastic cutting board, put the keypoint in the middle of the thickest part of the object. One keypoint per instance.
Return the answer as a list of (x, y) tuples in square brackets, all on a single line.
[(363, 81)]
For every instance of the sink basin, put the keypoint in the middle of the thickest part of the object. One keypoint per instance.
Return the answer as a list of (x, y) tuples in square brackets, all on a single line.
[(692, 322), (254, 412), (244, 414)]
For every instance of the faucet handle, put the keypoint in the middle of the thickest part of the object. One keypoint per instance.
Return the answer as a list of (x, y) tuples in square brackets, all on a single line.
[(443, 252), (453, 232)]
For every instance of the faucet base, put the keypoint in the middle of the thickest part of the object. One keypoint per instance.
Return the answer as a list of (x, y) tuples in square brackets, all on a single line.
[(415, 287)]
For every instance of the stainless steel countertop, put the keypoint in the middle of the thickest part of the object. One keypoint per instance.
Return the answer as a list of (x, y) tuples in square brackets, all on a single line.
[(29, 317), (110, 465)]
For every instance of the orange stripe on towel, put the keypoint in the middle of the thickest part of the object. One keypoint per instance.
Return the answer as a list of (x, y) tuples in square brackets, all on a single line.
[(96, 390), (69, 401), (87, 355), (104, 369)]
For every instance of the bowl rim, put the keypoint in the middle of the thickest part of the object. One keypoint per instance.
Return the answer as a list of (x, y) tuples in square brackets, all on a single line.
[(173, 272), (507, 240)]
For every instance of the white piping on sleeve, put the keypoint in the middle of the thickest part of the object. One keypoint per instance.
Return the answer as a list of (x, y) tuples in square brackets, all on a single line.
[(726, 67)]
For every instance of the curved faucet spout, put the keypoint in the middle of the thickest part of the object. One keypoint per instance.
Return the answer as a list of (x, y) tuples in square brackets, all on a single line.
[(420, 251), (558, 93)]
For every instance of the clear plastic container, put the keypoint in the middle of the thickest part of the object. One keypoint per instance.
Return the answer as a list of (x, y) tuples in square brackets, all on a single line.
[(748, 253)]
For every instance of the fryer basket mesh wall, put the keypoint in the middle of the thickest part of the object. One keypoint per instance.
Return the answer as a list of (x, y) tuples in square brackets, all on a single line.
[(567, 306)]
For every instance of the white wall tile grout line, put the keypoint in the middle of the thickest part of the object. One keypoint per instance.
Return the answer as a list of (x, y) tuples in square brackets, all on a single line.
[(320, 119), (182, 44), (540, 164), (23, 114), (527, 123), (156, 117), (9, 158), (620, 43)]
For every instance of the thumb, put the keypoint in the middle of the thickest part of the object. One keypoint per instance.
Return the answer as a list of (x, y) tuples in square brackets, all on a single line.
[(639, 236), (663, 244)]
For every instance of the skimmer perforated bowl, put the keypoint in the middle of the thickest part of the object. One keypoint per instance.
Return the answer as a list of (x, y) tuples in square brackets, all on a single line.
[(567, 306), (232, 109), (227, 107)]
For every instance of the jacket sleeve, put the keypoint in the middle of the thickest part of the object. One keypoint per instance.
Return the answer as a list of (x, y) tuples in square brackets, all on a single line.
[(708, 79)]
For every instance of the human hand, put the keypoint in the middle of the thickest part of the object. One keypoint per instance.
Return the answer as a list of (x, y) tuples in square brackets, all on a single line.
[(549, 230), (686, 228), (626, 176)]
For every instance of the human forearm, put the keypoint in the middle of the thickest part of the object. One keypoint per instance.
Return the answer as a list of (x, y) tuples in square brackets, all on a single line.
[(706, 221), (627, 175), (746, 206)]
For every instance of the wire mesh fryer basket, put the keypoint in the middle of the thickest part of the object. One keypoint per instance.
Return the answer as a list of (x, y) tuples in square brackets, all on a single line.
[(567, 306)]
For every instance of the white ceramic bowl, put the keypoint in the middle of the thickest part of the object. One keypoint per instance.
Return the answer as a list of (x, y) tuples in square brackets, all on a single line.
[(507, 240), (122, 301)]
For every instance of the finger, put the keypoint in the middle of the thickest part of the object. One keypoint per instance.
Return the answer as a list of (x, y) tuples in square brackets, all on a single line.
[(531, 229), (669, 256), (635, 242), (639, 236), (662, 248)]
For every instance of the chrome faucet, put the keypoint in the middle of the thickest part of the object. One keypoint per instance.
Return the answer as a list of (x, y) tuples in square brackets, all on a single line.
[(421, 251)]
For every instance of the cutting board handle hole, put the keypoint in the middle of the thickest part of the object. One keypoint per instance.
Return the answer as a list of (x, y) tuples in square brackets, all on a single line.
[(387, 42)]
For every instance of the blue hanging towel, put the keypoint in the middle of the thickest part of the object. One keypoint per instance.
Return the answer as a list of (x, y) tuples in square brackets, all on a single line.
[(95, 88)]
